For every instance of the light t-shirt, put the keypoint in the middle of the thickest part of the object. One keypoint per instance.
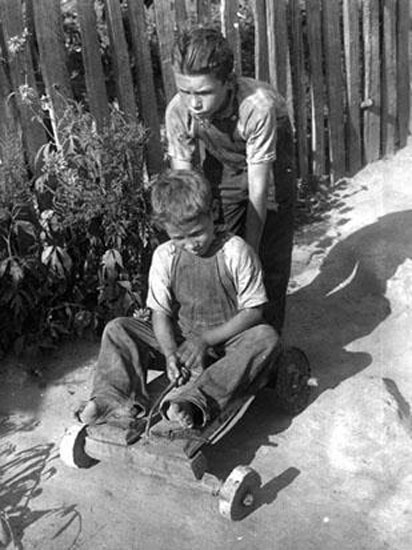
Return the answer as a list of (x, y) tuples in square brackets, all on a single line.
[(242, 264)]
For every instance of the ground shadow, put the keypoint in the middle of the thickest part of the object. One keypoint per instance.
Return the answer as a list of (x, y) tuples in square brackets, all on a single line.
[(22, 474), (345, 302)]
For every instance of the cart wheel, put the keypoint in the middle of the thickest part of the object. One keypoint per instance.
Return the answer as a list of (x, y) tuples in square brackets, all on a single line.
[(237, 496), (293, 382), (72, 451)]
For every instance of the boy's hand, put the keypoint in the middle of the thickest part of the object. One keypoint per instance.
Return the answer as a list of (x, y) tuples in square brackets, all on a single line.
[(192, 353), (176, 371)]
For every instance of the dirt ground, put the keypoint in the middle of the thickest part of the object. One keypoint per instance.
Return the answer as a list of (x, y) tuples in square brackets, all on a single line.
[(336, 477)]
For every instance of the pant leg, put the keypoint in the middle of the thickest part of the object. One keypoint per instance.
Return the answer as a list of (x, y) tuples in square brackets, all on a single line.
[(277, 239), (276, 256), (247, 355), (120, 374)]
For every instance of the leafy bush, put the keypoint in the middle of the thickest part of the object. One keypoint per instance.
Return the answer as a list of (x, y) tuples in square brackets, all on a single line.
[(76, 242)]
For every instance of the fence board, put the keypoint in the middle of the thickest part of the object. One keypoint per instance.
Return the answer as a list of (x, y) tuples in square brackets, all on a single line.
[(165, 24), (93, 68), (50, 40), (145, 83), (299, 85), (124, 81), (403, 73), (230, 29), (181, 14), (314, 30), (371, 102), (334, 80), (22, 78), (191, 10), (278, 47), (8, 115), (204, 11), (261, 41), (198, 11), (389, 91), (352, 60)]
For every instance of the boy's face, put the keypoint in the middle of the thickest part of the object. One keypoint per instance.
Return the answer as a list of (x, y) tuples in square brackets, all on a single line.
[(195, 236), (203, 94)]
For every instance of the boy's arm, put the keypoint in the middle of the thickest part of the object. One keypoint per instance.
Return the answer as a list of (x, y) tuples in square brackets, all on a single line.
[(163, 331), (243, 320), (259, 178), (193, 351)]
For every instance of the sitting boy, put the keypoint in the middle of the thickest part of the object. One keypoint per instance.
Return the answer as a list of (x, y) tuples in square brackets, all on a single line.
[(206, 296)]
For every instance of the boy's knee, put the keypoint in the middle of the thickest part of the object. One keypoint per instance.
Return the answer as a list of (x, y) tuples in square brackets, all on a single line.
[(115, 326), (265, 336)]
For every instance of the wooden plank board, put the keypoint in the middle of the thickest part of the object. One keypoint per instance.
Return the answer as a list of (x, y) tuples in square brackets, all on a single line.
[(121, 60), (8, 114), (165, 24), (191, 11), (261, 41), (277, 37), (271, 42), (372, 99), (145, 83), (335, 85), (351, 15), (93, 68), (181, 13), (299, 87), (23, 83), (403, 73), (389, 89), (230, 28), (50, 41), (204, 11), (197, 11), (317, 82)]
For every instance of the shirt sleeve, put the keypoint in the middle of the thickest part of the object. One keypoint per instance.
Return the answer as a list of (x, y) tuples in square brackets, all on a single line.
[(259, 109), (159, 296), (181, 145), (261, 136), (244, 266)]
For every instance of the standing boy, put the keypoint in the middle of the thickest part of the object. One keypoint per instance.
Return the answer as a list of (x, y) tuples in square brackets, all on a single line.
[(247, 152), (206, 295)]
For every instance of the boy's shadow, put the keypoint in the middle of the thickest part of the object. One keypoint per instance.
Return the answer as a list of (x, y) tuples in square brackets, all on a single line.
[(345, 302)]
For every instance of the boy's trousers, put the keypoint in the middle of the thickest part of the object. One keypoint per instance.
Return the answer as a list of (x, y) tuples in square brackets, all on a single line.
[(128, 345)]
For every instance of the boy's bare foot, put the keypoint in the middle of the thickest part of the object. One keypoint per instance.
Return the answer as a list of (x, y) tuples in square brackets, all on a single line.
[(182, 413)]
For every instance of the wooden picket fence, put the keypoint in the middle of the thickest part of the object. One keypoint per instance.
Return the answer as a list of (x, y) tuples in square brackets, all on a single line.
[(343, 66)]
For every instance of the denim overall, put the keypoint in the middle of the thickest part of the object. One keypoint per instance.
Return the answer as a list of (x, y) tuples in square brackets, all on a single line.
[(206, 298), (225, 167)]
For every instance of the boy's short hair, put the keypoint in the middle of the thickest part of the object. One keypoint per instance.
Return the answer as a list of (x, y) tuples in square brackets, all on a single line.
[(180, 196), (203, 51)]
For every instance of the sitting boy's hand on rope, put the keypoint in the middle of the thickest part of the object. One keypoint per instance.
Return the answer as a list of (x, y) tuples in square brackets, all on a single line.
[(176, 370)]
